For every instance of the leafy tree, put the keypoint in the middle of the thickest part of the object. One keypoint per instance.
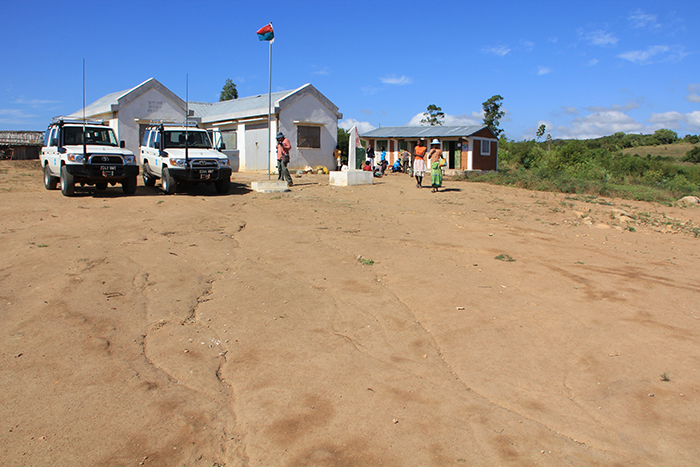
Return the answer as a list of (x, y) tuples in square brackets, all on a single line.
[(433, 116), (541, 130), (665, 136), (229, 91), (493, 113), (693, 155), (344, 144), (692, 139)]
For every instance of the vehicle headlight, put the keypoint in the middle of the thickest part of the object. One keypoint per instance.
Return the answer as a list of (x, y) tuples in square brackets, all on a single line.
[(224, 162), (78, 158), (130, 159), (177, 162)]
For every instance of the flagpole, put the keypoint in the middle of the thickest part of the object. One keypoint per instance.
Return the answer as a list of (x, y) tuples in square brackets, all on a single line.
[(269, 117)]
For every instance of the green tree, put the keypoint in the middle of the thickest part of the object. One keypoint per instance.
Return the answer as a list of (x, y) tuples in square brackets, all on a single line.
[(665, 136), (493, 113), (229, 91), (344, 144), (693, 155), (433, 116), (541, 130)]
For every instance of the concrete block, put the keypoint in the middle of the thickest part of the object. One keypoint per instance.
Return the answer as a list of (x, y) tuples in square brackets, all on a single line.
[(351, 178), (270, 186)]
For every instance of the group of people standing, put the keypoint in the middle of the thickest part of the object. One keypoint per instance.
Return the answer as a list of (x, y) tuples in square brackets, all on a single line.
[(420, 165)]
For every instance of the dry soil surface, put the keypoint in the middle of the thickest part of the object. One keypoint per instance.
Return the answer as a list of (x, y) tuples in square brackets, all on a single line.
[(345, 326)]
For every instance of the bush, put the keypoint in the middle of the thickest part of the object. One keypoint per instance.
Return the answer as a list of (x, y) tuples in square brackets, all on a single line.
[(693, 155)]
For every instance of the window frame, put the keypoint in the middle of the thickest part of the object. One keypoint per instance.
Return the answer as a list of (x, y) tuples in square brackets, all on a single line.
[(316, 128), (488, 147)]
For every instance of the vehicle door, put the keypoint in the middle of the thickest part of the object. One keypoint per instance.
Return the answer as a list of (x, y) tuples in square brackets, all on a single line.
[(150, 151), (50, 152)]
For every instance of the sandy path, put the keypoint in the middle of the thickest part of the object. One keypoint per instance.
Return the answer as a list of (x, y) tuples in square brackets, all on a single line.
[(207, 330)]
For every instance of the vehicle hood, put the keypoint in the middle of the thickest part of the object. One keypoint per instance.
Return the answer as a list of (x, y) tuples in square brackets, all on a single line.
[(195, 153), (96, 149)]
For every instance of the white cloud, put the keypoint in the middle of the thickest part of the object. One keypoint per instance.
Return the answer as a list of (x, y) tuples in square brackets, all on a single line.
[(323, 71), (570, 110), (396, 80), (370, 90), (599, 37), (655, 54), (362, 127), (671, 120), (693, 92), (599, 124), (35, 102), (639, 19), (593, 62), (500, 50), (693, 118), (475, 118), (543, 70)]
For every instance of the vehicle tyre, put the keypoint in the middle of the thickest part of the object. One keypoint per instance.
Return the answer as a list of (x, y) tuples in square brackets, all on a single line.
[(50, 182), (223, 186), (148, 179), (129, 185), (168, 183), (67, 182), (101, 186)]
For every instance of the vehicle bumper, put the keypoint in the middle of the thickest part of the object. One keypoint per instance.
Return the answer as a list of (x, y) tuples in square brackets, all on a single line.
[(200, 175), (100, 173)]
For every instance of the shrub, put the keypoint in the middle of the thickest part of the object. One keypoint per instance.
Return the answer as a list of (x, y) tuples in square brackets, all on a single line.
[(693, 155)]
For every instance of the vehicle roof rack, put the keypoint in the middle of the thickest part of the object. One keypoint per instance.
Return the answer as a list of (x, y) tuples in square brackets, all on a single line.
[(167, 122), (77, 120)]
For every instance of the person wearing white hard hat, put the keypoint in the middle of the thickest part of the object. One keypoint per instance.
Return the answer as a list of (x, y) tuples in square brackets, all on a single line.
[(435, 165)]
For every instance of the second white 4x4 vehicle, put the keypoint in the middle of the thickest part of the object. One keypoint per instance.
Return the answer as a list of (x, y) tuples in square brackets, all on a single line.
[(182, 155)]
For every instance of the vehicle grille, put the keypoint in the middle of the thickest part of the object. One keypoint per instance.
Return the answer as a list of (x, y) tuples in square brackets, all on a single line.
[(203, 164), (101, 159)]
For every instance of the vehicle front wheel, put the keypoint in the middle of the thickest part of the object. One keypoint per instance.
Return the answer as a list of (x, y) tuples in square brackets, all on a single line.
[(168, 183), (50, 182), (67, 182), (129, 185), (223, 186)]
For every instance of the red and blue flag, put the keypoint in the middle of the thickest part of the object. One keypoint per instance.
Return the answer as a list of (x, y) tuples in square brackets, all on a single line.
[(266, 33)]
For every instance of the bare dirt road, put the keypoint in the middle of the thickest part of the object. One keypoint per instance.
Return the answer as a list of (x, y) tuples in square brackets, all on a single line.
[(375, 325)]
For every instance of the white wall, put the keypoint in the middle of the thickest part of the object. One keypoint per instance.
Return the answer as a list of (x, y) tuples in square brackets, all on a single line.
[(151, 104), (310, 109)]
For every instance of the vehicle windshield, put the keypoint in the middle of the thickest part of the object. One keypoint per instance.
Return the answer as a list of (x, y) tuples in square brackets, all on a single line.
[(93, 135), (176, 139)]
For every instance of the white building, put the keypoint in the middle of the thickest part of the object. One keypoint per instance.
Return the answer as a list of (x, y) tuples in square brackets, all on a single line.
[(304, 115)]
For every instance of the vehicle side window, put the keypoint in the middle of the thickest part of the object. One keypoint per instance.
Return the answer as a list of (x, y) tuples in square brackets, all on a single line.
[(53, 139), (155, 142), (47, 138), (146, 135)]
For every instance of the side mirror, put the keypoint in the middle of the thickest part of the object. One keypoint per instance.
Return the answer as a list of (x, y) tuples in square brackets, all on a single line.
[(223, 146), (122, 144)]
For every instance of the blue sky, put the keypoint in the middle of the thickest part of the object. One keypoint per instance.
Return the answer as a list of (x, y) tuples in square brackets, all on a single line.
[(583, 68)]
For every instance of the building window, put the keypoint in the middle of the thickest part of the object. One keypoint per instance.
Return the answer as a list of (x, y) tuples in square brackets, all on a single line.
[(230, 139), (309, 137), (485, 147)]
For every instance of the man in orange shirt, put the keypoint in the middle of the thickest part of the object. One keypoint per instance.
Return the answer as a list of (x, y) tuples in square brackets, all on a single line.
[(419, 163)]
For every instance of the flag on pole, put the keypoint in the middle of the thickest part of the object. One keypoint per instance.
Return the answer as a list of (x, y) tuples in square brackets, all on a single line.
[(266, 33)]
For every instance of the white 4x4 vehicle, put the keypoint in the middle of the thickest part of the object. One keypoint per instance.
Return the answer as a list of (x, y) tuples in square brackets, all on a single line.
[(86, 152), (182, 155)]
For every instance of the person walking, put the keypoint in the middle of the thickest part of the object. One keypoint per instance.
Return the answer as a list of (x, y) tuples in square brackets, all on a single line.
[(405, 160), (337, 154), (283, 148), (382, 160), (370, 154), (435, 165), (419, 163)]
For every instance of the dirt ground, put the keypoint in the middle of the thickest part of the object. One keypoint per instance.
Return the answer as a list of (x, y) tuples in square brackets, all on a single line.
[(345, 326)]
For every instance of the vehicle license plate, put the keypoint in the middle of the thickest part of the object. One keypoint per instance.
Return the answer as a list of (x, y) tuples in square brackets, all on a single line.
[(205, 174)]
